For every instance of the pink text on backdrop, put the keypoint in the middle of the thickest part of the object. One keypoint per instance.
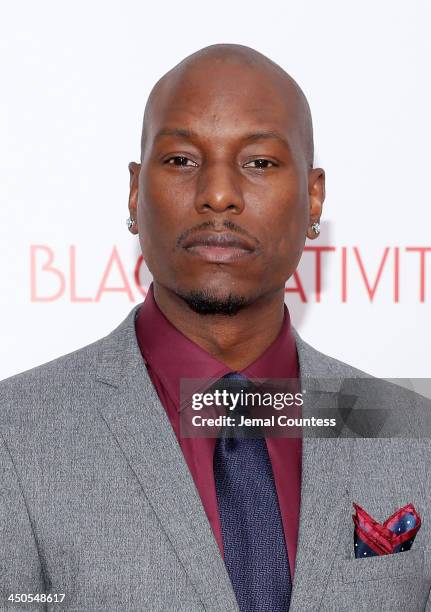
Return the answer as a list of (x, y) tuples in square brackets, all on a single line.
[(43, 263)]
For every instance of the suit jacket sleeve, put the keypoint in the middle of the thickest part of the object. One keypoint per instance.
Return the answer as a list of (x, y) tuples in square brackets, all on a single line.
[(20, 567)]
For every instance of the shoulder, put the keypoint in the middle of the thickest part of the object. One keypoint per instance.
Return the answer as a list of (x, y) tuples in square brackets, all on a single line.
[(317, 364), (76, 368), (64, 386), (392, 402), (49, 383)]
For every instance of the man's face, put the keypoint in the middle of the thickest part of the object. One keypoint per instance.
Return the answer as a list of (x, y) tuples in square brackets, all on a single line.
[(224, 185)]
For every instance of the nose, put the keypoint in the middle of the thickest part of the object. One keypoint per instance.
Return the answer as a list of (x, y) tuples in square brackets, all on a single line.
[(219, 189)]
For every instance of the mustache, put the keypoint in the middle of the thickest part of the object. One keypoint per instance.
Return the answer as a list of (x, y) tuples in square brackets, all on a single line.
[(207, 225)]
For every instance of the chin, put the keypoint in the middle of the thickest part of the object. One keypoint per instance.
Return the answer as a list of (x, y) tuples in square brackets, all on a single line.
[(206, 301)]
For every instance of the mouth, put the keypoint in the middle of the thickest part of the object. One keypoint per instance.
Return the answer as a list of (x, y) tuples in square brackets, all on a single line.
[(219, 247)]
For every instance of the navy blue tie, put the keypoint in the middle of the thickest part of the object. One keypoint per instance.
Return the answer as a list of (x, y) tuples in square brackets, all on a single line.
[(253, 538)]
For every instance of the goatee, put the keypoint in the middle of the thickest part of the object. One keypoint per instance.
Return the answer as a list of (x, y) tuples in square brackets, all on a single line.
[(205, 303)]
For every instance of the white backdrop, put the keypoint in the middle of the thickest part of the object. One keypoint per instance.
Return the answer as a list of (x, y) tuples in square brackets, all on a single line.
[(75, 77)]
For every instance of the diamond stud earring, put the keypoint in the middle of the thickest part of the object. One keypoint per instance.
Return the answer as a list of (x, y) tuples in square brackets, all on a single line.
[(316, 228), (130, 223)]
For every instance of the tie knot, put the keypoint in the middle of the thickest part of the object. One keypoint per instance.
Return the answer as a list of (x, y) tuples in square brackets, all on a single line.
[(236, 385), (235, 376)]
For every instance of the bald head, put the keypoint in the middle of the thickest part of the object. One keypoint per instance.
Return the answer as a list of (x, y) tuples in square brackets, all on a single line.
[(227, 72)]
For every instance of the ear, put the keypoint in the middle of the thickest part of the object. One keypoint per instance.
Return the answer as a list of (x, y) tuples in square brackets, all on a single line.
[(134, 169), (316, 196)]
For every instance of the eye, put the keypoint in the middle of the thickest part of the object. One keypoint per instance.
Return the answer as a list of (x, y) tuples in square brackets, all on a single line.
[(180, 160), (260, 164)]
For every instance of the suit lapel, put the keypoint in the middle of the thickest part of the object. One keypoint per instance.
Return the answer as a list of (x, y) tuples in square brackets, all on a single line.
[(132, 411), (324, 482)]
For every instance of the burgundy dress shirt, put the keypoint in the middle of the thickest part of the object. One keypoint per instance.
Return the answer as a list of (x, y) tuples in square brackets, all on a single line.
[(170, 356)]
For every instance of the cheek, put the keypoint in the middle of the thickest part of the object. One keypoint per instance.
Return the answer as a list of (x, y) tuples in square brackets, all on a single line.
[(284, 219), (157, 215), (162, 215), (293, 227), (164, 202), (288, 242)]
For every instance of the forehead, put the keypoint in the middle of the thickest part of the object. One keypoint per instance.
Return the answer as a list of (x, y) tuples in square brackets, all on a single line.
[(219, 98)]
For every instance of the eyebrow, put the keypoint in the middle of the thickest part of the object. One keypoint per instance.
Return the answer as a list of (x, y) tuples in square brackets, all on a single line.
[(267, 135), (182, 133), (252, 137)]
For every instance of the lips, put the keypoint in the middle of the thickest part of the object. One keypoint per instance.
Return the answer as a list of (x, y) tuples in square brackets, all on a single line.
[(218, 247)]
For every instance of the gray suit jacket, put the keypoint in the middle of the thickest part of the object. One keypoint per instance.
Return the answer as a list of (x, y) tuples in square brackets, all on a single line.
[(97, 502)]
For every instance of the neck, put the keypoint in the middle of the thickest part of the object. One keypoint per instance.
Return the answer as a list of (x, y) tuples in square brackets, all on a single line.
[(235, 340)]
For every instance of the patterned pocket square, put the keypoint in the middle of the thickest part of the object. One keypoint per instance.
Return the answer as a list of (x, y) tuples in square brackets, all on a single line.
[(397, 533)]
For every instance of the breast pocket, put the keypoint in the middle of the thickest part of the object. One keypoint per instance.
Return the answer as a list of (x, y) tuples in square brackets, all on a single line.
[(397, 565), (388, 583)]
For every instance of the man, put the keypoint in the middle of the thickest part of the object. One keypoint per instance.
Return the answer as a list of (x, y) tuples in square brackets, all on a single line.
[(102, 497)]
